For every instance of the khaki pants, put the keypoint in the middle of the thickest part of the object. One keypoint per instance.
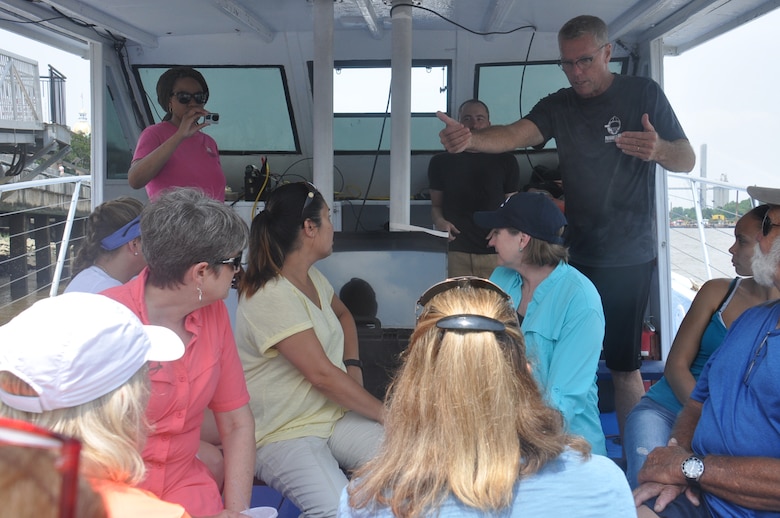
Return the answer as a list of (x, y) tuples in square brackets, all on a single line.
[(462, 263), (308, 471)]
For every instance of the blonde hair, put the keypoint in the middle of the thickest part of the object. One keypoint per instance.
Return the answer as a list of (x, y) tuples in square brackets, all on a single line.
[(111, 428), (30, 486), (541, 253), (464, 416)]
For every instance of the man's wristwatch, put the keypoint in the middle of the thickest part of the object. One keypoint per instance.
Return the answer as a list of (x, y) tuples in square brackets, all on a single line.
[(692, 468)]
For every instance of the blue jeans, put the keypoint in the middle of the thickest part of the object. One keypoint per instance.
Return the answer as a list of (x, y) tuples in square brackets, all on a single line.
[(648, 426)]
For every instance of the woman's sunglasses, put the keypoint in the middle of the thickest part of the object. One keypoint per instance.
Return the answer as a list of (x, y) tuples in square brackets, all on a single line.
[(459, 282), (28, 435), (233, 261), (309, 196), (465, 322), (186, 97)]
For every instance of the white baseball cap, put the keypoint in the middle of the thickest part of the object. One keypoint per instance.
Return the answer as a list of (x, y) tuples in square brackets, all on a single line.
[(74, 348), (765, 194)]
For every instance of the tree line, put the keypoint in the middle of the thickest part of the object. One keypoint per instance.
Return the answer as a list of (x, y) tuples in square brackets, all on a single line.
[(731, 212)]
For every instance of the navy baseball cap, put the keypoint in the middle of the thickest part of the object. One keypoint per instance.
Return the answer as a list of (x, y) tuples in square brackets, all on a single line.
[(533, 213)]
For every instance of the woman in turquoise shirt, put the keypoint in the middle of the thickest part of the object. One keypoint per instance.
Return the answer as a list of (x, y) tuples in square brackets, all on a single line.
[(559, 308)]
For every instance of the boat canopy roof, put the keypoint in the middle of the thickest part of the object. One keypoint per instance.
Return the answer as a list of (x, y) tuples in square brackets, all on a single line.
[(150, 24)]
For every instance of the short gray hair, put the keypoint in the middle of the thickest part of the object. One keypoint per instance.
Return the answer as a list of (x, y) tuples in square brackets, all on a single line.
[(184, 227), (582, 26)]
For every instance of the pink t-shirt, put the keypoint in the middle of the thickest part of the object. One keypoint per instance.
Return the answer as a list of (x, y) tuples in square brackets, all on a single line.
[(208, 375), (195, 163)]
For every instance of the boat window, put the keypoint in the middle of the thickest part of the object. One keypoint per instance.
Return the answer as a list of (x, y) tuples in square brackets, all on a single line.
[(361, 106), (119, 152), (499, 86), (253, 105)]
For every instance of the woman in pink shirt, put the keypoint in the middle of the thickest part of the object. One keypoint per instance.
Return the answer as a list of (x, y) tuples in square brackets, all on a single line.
[(174, 152), (193, 249)]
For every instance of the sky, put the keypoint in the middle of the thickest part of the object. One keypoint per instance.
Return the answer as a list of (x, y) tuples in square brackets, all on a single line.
[(724, 93)]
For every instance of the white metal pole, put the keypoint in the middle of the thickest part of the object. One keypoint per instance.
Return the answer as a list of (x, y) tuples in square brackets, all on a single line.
[(401, 116), (322, 139)]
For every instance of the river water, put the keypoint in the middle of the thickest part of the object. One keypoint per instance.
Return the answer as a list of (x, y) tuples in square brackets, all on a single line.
[(687, 255)]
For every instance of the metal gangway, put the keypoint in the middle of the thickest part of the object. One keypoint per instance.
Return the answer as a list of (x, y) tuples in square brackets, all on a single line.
[(33, 135)]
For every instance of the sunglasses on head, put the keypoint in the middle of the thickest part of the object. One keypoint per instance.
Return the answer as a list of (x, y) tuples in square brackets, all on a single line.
[(309, 196), (186, 97), (28, 435), (767, 224), (464, 322)]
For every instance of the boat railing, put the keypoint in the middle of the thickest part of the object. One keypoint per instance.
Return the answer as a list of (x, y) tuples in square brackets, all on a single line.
[(716, 204), (40, 220)]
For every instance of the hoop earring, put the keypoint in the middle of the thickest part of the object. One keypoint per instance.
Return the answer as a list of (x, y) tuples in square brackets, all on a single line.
[(200, 294)]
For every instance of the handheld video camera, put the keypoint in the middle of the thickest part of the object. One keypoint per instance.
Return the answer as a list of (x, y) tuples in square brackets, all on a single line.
[(213, 118)]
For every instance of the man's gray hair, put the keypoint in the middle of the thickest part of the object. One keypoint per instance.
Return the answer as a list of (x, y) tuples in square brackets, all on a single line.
[(184, 227), (582, 26)]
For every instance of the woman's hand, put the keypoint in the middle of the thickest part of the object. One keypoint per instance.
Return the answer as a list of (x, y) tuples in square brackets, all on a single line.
[(189, 122)]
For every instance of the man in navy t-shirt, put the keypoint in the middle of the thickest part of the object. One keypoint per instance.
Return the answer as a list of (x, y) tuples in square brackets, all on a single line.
[(611, 131)]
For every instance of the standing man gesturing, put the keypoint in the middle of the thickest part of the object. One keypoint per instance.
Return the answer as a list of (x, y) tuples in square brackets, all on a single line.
[(610, 130)]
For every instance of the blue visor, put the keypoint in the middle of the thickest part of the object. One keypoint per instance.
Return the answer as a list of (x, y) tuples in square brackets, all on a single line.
[(123, 235)]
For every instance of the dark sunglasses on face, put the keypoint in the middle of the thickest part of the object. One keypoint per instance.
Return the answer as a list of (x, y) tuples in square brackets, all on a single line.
[(186, 97), (766, 225), (234, 261)]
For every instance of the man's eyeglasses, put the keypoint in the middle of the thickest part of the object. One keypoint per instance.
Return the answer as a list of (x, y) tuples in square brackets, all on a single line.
[(24, 434), (466, 322), (309, 196), (766, 225), (234, 261), (582, 63), (186, 97)]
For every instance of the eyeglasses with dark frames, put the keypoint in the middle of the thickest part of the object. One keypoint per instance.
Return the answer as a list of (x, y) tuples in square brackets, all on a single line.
[(185, 97), (234, 261), (582, 63), (767, 224), (24, 434), (309, 197)]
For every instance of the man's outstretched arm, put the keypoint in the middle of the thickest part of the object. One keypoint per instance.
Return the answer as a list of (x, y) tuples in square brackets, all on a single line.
[(496, 139)]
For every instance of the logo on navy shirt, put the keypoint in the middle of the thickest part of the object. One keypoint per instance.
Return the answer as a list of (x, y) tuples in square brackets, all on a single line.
[(613, 128)]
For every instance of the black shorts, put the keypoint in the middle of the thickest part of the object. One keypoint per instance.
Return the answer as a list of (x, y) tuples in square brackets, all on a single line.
[(624, 292)]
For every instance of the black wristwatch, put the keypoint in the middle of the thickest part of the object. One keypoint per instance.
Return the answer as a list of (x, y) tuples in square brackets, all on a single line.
[(353, 363), (692, 468)]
